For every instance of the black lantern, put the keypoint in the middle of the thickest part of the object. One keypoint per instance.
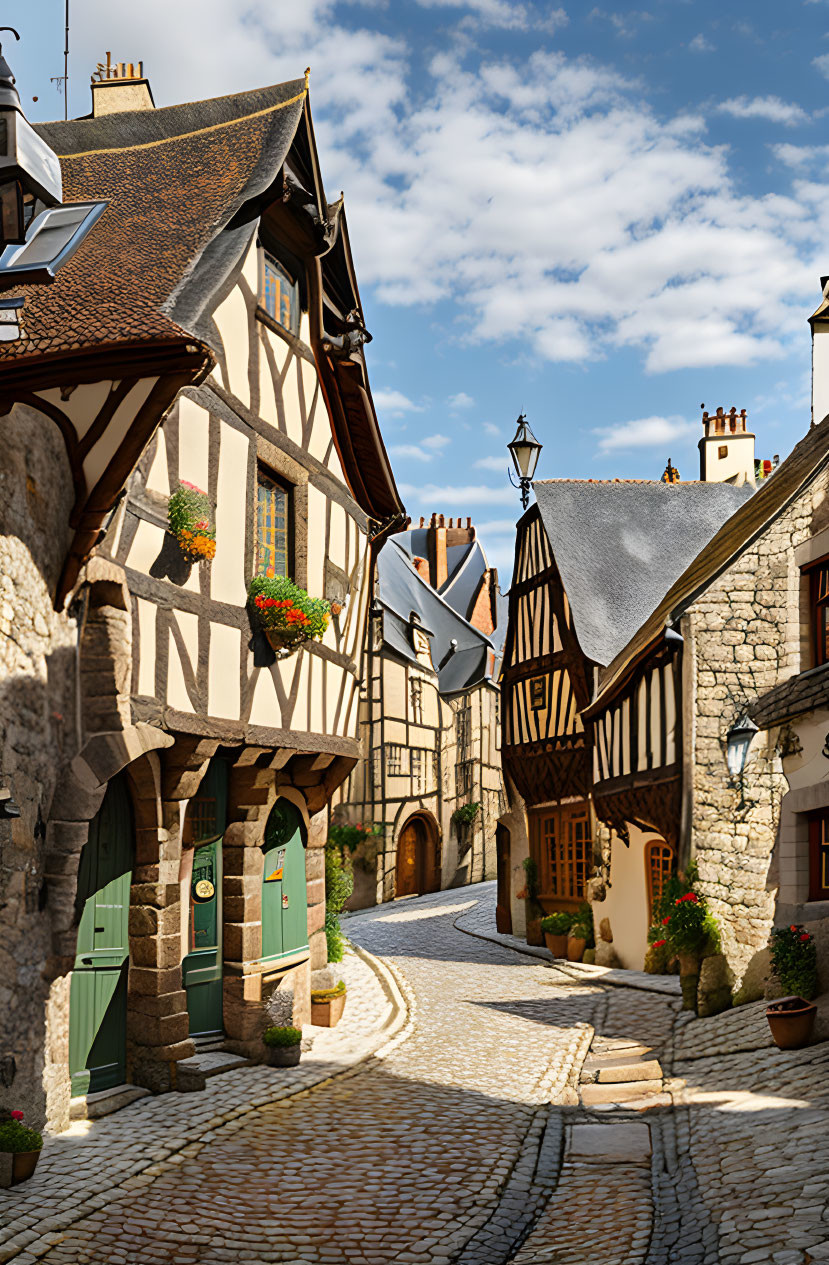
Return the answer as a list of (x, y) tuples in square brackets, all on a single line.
[(29, 169), (737, 742), (524, 450)]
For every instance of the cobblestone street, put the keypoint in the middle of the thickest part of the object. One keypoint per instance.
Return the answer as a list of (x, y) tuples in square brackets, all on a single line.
[(454, 1130)]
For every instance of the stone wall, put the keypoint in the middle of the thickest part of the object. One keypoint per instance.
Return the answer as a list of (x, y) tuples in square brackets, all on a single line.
[(743, 637)]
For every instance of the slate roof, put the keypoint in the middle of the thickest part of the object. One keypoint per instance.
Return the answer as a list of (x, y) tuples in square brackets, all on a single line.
[(619, 545), (751, 519), (400, 590), (795, 697), (174, 178)]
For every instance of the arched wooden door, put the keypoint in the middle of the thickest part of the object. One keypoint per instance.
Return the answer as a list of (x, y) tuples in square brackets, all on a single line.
[(503, 908), (417, 859), (284, 894), (204, 826), (98, 991)]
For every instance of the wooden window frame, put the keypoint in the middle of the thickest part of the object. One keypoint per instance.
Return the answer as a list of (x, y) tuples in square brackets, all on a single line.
[(817, 573), (819, 855), (262, 469)]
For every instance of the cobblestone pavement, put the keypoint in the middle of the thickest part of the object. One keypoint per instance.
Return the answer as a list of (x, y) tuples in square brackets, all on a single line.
[(461, 1139)]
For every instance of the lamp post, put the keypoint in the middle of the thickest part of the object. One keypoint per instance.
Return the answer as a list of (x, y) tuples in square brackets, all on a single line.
[(29, 169), (524, 450)]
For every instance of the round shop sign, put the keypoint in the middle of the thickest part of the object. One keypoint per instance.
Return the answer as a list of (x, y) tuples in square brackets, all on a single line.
[(204, 889)]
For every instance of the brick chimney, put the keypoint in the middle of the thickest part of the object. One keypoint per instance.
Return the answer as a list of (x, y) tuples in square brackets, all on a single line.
[(726, 450), (120, 86)]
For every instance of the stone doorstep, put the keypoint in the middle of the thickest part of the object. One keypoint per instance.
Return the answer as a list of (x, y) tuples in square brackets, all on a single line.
[(591, 1095), (617, 1143), (105, 1101)]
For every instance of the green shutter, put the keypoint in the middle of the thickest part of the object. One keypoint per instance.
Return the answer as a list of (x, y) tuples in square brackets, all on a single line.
[(98, 992), (284, 898)]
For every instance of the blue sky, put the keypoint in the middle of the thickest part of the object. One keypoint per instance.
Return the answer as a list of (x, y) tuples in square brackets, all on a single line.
[(601, 215)]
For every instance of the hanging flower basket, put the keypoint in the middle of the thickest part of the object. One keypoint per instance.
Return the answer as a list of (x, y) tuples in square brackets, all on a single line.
[(191, 520), (287, 615)]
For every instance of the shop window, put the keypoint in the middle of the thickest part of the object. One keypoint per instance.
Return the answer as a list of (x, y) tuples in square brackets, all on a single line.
[(659, 866), (819, 856), (280, 294), (273, 505)]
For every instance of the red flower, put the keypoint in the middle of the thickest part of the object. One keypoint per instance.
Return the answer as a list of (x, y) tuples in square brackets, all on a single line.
[(17, 1115), (665, 921), (657, 944), (806, 937)]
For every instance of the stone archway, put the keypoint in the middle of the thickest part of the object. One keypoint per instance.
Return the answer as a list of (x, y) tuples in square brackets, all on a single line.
[(417, 867)]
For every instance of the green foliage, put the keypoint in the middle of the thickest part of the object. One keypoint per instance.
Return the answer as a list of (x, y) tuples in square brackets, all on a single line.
[(339, 884), (284, 608), (557, 924), (466, 814), (351, 836), (326, 994), (15, 1138), (279, 1038), (794, 960)]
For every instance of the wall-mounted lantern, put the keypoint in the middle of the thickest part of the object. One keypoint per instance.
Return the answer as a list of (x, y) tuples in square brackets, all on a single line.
[(737, 742), (524, 450)]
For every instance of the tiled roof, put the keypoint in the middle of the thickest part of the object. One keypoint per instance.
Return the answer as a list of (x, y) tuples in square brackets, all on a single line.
[(795, 697), (769, 501), (174, 179)]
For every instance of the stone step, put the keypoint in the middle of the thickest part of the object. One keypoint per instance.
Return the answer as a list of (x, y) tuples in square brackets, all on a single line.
[(594, 1095), (105, 1101)]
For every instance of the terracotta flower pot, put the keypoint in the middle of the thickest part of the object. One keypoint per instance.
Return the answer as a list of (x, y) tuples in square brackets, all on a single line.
[(791, 1020), (327, 1013), (283, 1055), (23, 1165), (534, 933), (556, 944), (575, 948)]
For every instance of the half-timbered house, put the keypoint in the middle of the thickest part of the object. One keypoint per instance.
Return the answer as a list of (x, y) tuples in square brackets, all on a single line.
[(592, 557), (169, 766), (429, 718)]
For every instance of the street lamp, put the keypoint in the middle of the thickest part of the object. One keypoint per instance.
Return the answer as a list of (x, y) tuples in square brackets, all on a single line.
[(524, 450), (29, 169), (737, 742)]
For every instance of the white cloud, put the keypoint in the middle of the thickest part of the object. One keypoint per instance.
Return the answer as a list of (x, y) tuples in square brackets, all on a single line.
[(500, 464), (645, 432), (395, 403), (465, 494), (460, 401), (772, 109), (700, 44)]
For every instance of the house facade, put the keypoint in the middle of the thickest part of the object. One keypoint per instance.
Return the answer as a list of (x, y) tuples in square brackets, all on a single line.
[(170, 767), (429, 719)]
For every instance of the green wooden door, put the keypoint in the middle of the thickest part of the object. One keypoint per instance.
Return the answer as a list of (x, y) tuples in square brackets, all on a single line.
[(284, 898), (98, 992), (205, 824)]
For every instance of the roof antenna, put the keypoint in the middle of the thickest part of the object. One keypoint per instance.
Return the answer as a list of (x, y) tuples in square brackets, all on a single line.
[(62, 81)]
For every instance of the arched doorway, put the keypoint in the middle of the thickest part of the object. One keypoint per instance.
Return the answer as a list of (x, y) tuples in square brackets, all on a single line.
[(503, 909), (98, 991), (284, 893), (418, 865), (204, 826)]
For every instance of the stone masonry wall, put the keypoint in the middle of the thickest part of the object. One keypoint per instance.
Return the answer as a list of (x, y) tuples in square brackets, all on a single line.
[(744, 637)]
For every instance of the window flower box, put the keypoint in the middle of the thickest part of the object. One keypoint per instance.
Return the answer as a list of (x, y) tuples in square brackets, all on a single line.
[(287, 615), (191, 520)]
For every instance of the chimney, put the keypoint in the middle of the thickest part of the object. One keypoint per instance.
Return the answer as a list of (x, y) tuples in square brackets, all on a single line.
[(726, 450), (121, 86)]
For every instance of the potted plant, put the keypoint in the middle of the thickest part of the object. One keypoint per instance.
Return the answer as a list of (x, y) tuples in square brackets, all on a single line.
[(190, 518), (794, 962), (327, 1005), (555, 928), (532, 891), (287, 615), (581, 934), (22, 1144), (283, 1046)]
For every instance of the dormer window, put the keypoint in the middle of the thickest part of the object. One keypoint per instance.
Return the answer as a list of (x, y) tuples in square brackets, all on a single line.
[(280, 294)]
